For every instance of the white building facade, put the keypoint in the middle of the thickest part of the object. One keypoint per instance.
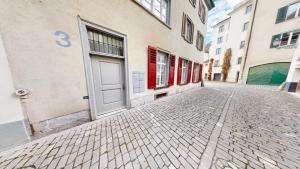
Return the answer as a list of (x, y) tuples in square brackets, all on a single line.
[(230, 33)]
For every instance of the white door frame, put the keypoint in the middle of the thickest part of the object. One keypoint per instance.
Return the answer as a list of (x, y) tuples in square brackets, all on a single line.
[(83, 24)]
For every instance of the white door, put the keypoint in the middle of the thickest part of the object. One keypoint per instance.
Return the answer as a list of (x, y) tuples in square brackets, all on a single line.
[(108, 75)]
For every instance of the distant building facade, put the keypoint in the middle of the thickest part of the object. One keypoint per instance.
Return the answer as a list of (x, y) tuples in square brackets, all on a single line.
[(73, 59), (230, 33)]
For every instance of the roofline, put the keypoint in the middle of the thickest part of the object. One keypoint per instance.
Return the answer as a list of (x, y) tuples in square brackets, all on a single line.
[(239, 5), (221, 21), (210, 4)]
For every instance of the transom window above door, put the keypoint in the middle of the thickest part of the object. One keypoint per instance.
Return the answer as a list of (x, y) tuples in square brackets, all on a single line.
[(160, 8), (104, 43)]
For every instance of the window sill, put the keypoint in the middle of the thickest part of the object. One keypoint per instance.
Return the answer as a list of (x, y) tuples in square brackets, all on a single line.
[(164, 87), (200, 50), (183, 84), (288, 20), (293, 46), (190, 42), (167, 25)]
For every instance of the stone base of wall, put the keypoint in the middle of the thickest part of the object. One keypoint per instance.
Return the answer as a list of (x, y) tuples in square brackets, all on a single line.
[(54, 125), (12, 134), (150, 98)]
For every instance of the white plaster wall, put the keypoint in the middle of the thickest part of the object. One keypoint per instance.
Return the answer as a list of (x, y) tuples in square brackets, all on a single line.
[(236, 35), (55, 75), (294, 72), (215, 45), (264, 28), (10, 105)]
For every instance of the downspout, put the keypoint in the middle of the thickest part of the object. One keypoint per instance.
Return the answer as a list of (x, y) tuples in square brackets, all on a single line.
[(248, 43), (23, 95)]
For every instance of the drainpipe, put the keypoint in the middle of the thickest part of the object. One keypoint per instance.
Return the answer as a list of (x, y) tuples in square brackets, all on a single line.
[(23, 95), (248, 43)]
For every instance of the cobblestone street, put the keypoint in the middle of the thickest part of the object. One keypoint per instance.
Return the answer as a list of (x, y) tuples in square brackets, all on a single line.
[(228, 126)]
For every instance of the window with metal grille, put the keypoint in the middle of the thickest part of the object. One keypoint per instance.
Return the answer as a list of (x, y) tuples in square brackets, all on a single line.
[(101, 42)]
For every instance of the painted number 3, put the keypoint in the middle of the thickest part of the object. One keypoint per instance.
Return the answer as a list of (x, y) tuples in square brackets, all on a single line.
[(64, 39)]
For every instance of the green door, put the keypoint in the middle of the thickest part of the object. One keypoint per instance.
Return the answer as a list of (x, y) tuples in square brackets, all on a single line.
[(268, 74)]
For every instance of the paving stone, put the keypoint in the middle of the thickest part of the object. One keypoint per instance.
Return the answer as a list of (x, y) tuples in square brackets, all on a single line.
[(260, 131)]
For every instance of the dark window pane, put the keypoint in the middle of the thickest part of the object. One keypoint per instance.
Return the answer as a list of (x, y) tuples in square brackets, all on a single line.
[(284, 39), (295, 37)]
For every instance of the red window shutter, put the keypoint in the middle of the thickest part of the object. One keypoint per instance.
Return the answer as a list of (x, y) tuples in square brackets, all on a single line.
[(189, 71), (194, 68), (200, 73), (171, 69), (179, 71), (152, 52)]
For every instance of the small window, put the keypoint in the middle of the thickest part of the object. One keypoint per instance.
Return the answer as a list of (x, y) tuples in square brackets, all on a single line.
[(184, 73), (202, 11), (218, 51), (293, 11), (101, 42), (242, 45), (187, 29), (216, 63), (196, 73), (294, 38), (245, 27), (239, 60), (248, 9), (220, 40), (162, 69), (200, 41), (221, 29), (160, 8), (193, 2), (285, 39)]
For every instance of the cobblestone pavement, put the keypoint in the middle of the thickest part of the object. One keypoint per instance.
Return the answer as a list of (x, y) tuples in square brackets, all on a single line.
[(227, 126)]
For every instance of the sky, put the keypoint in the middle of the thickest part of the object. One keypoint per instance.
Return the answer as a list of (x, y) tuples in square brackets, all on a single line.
[(222, 7)]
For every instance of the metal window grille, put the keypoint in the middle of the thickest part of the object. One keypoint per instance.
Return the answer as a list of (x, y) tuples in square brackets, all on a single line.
[(105, 43)]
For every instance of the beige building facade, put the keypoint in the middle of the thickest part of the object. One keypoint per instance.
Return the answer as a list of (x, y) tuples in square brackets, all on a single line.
[(272, 42), (97, 57)]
